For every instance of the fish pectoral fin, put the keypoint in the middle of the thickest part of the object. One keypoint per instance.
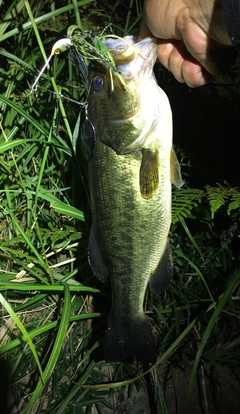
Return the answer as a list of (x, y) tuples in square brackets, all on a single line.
[(149, 173), (95, 257), (175, 168), (163, 275)]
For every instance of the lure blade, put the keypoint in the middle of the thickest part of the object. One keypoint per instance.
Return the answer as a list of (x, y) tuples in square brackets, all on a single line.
[(88, 139)]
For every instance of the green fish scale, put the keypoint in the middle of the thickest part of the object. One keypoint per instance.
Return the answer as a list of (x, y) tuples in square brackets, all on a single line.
[(131, 230)]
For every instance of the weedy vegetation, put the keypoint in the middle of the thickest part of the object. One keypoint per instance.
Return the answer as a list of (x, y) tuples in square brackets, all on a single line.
[(53, 311)]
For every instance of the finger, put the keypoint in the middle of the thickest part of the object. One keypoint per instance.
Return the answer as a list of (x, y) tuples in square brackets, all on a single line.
[(175, 57), (170, 57), (194, 74)]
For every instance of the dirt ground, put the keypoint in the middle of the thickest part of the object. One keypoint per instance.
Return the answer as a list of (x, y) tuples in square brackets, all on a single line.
[(217, 396), (213, 393)]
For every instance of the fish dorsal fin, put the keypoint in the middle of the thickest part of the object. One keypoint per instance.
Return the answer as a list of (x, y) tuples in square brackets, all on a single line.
[(163, 275), (176, 176), (149, 173)]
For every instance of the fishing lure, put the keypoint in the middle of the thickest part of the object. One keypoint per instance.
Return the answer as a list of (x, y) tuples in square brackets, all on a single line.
[(88, 47), (91, 47)]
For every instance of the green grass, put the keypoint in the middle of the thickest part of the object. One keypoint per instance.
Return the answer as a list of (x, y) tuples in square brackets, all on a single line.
[(53, 311)]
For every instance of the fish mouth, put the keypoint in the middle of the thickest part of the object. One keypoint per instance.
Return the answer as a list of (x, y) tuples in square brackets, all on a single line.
[(125, 50), (121, 49)]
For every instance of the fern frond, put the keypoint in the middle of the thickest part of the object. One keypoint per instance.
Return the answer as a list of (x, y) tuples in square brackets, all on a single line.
[(235, 201), (217, 197), (183, 201)]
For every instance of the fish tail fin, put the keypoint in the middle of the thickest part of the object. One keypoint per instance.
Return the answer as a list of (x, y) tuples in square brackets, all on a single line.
[(129, 338)]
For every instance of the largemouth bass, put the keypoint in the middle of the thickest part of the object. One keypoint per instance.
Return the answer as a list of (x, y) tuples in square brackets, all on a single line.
[(131, 163)]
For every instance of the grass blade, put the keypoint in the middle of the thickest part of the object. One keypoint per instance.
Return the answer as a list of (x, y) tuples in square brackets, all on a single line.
[(60, 337), (24, 332), (219, 307)]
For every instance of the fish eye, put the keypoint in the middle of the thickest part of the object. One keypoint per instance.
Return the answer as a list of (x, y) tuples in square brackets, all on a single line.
[(97, 83)]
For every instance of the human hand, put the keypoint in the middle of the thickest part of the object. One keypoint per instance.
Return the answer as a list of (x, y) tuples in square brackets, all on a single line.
[(193, 40)]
